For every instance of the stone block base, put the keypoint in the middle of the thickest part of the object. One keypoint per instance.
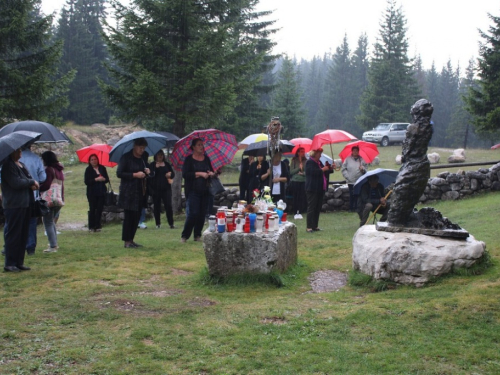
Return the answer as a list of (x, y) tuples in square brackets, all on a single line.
[(258, 253), (410, 258)]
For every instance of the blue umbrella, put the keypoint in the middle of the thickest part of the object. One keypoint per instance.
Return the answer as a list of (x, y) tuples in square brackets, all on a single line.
[(385, 177), (171, 138), (18, 139), (155, 143)]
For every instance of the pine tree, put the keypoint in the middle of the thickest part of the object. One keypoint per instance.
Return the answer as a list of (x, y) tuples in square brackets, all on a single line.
[(484, 101), (84, 50), (287, 102), (444, 103), (340, 103), (392, 88), (187, 65), (30, 85)]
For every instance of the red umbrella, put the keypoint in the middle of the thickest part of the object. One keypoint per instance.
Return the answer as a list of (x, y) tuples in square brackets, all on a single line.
[(101, 150), (330, 136), (495, 147), (220, 147), (304, 143), (367, 150)]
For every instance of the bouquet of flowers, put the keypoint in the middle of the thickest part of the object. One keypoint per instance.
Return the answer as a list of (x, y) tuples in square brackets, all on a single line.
[(262, 199)]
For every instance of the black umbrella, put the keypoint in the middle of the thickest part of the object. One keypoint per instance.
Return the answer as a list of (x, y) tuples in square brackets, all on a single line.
[(19, 139), (171, 138), (260, 148), (385, 177), (50, 134)]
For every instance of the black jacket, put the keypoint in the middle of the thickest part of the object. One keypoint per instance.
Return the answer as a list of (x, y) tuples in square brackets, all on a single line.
[(132, 190), (365, 195), (16, 185), (191, 183), (255, 175), (159, 182), (314, 176), (96, 188)]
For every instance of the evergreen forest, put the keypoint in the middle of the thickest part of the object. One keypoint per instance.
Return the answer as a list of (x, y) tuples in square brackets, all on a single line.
[(179, 65)]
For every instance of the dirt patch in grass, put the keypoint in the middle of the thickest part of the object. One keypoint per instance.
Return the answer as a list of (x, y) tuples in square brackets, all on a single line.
[(178, 272), (200, 302), (276, 320), (327, 281), (161, 293)]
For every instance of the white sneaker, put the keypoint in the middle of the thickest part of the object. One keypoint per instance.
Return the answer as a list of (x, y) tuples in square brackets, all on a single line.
[(45, 233), (158, 226), (51, 250), (142, 225)]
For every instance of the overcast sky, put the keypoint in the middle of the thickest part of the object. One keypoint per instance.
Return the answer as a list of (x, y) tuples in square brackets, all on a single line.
[(438, 30)]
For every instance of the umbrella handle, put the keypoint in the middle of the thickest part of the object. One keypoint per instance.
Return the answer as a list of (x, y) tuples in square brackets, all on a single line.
[(380, 205)]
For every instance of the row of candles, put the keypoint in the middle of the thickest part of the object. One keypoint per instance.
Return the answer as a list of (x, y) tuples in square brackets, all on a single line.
[(239, 222)]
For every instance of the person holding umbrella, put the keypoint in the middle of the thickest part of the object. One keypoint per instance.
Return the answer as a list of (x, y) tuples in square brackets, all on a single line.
[(132, 171), (160, 188), (96, 178), (196, 170), (316, 185), (353, 168), (371, 198), (17, 197)]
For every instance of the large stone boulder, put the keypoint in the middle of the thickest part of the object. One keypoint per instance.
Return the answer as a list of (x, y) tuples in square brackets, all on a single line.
[(259, 253), (458, 156), (409, 258), (433, 158)]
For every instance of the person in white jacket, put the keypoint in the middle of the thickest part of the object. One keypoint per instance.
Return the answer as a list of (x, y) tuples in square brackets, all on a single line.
[(353, 167)]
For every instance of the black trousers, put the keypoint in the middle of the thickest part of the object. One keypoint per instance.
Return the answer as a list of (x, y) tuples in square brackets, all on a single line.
[(164, 196), (96, 206), (16, 234), (130, 223), (299, 197), (314, 204)]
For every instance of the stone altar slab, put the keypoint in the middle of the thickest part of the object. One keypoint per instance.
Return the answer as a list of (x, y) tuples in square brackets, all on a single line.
[(410, 258), (259, 253)]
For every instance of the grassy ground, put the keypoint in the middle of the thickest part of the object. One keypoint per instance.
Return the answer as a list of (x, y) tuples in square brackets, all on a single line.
[(97, 308)]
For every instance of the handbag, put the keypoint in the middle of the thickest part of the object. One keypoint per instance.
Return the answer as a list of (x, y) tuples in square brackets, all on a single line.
[(110, 199), (53, 195), (39, 208), (215, 186)]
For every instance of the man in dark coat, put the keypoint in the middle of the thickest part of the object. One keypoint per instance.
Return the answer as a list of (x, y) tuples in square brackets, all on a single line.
[(371, 196)]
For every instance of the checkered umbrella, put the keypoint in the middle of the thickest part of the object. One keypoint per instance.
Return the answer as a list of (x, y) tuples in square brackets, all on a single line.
[(220, 147)]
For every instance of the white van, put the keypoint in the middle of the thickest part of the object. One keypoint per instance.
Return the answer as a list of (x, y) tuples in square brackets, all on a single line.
[(387, 133)]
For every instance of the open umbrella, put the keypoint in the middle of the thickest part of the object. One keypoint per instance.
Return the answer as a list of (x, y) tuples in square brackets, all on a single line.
[(50, 134), (18, 139), (220, 147), (368, 151), (304, 143), (171, 138), (331, 136), (155, 143), (385, 177), (495, 146), (252, 138), (260, 148), (100, 149)]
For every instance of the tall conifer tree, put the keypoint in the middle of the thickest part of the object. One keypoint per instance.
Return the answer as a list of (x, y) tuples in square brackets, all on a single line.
[(287, 101), (30, 85), (392, 88), (186, 64), (484, 101)]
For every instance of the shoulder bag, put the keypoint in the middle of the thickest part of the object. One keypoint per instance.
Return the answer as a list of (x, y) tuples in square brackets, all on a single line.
[(53, 195), (110, 199)]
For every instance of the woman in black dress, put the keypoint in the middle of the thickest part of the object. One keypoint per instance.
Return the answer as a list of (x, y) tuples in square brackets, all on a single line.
[(96, 178), (160, 188)]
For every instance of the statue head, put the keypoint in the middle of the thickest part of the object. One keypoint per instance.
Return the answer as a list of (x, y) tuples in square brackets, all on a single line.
[(421, 108)]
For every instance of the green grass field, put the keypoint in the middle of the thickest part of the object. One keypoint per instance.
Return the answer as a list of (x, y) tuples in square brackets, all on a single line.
[(95, 307)]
